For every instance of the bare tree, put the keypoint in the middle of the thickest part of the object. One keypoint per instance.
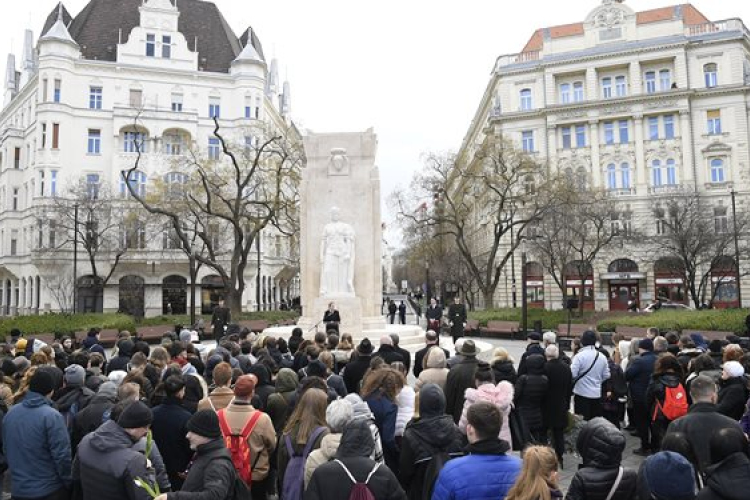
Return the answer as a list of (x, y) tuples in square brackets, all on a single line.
[(60, 287), (221, 204), (480, 207)]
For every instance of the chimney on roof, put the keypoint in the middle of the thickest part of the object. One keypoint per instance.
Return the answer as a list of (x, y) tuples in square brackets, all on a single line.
[(286, 101), (28, 65), (11, 84)]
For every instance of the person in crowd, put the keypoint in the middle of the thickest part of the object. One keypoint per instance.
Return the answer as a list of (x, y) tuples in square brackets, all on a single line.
[(108, 464), (702, 416), (404, 401), (539, 476), (433, 433), (614, 393), (678, 442), (169, 428), (557, 400), (732, 352), (660, 345), (715, 348), (262, 438), (338, 414), (122, 360), (91, 417), (502, 366), (303, 433), (601, 475), (402, 313), (392, 309), (212, 474), (460, 378), (732, 390), (380, 391), (387, 351), (222, 393), (589, 370), (74, 396), (488, 471), (264, 387), (278, 402), (36, 444), (702, 365), (530, 393), (667, 374), (638, 375), (435, 371), (457, 357), (295, 340), (729, 473), (431, 340), (666, 475), (550, 338), (534, 347), (457, 318), (688, 351), (501, 395), (335, 382), (406, 355), (434, 315), (356, 368), (95, 371), (342, 353), (220, 320), (336, 479), (673, 343)]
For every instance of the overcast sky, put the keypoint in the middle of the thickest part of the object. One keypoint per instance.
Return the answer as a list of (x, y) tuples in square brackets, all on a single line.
[(414, 70)]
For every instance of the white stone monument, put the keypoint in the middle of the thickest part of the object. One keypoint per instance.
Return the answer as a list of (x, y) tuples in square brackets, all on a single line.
[(341, 233)]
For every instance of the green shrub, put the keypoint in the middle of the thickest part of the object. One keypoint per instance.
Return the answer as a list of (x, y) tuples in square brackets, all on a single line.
[(724, 320), (550, 319), (65, 324)]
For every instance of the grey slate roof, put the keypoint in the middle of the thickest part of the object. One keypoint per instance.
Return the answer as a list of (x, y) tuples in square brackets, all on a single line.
[(97, 30)]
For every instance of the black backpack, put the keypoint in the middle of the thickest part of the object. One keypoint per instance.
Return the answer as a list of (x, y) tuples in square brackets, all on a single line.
[(437, 462)]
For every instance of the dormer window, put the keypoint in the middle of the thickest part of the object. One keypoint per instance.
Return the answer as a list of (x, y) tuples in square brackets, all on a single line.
[(166, 47), (151, 45)]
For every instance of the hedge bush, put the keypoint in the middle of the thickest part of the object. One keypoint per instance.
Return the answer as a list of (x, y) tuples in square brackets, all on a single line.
[(550, 319), (724, 320)]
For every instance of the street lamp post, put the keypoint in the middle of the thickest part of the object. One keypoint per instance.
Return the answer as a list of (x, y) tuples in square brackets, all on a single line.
[(75, 258), (257, 274), (428, 290), (193, 273), (736, 248), (512, 267), (524, 298)]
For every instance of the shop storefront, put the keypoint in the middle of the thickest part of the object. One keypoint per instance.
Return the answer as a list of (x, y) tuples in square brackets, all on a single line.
[(623, 279), (534, 285), (579, 283), (724, 283), (669, 278)]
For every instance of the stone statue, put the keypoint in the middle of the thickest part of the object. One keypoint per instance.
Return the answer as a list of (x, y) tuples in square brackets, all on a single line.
[(337, 258)]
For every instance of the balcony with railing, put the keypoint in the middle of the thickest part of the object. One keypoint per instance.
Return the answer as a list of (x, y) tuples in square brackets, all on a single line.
[(666, 189), (727, 25), (621, 192), (519, 58)]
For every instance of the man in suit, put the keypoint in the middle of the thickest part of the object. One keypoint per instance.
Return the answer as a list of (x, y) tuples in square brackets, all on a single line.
[(434, 314), (431, 340), (221, 317), (457, 318)]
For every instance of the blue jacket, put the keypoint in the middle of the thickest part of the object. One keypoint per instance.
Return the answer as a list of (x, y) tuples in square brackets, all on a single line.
[(487, 473), (37, 447), (639, 374), (385, 411)]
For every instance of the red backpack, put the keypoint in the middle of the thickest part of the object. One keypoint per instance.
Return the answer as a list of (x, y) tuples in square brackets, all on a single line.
[(238, 446), (675, 403)]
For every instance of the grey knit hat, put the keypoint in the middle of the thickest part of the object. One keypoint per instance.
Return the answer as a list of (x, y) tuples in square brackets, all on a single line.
[(339, 412)]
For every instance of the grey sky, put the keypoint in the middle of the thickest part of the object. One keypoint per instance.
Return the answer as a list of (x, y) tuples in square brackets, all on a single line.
[(414, 70)]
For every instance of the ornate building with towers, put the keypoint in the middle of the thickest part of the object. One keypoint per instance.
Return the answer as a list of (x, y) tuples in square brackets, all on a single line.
[(643, 105), (119, 79)]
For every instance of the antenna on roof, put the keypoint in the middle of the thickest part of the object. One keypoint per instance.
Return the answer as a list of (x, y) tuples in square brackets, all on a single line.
[(119, 37)]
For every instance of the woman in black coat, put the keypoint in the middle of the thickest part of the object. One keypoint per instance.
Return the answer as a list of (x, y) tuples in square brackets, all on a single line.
[(732, 391), (728, 477), (530, 392), (557, 401)]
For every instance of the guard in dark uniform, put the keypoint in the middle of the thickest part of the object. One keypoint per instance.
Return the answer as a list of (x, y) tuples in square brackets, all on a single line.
[(221, 317), (457, 318)]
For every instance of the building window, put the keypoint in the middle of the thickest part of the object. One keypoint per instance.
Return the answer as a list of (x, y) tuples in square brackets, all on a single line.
[(53, 183), (214, 107), (44, 135), (257, 107), (177, 103), (92, 186), (668, 126), (625, 175), (656, 180), (653, 128), (44, 90), (665, 80), (671, 172), (150, 45), (17, 158), (58, 90), (565, 93), (166, 47), (175, 182), (661, 221), (213, 148), (714, 122), (41, 183), (609, 132), (607, 88), (173, 144), (717, 170), (95, 98), (721, 220), (578, 92), (566, 138), (55, 135), (526, 101), (611, 177), (15, 199), (95, 142), (134, 236), (650, 82), (137, 181), (136, 98), (527, 141), (134, 142), (711, 74), (624, 132), (248, 107), (14, 243), (621, 85), (581, 136)]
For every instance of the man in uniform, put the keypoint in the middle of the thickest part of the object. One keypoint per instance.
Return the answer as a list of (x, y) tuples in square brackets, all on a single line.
[(457, 318)]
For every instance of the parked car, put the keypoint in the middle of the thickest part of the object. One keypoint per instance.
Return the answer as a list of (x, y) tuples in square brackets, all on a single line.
[(666, 306)]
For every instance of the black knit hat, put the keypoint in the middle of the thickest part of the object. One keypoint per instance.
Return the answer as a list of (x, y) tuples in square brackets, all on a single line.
[(42, 383), (135, 416), (205, 423), (316, 368), (365, 347)]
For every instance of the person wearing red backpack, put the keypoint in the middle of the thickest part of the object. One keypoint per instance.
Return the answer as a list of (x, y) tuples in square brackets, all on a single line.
[(666, 397), (249, 436)]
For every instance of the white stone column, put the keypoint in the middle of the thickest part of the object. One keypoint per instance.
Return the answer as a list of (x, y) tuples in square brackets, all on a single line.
[(688, 170), (3, 296), (592, 85), (14, 298), (641, 170), (636, 79), (552, 146), (596, 170)]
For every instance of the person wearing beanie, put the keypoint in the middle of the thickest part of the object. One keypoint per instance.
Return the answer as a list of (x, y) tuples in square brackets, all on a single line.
[(91, 417), (666, 475), (361, 411), (638, 375), (122, 360), (338, 414), (169, 429), (36, 444), (108, 461), (73, 397), (357, 367), (534, 347), (732, 391), (261, 438), (212, 471), (589, 369)]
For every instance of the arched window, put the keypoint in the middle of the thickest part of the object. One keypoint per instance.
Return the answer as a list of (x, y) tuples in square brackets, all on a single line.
[(711, 74), (671, 172), (526, 101), (622, 266), (656, 180), (611, 177), (625, 175), (717, 170), (175, 182), (137, 181), (134, 141), (581, 178)]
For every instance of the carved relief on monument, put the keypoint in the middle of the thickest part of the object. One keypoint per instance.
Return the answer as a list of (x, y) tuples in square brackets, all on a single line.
[(339, 163), (337, 258)]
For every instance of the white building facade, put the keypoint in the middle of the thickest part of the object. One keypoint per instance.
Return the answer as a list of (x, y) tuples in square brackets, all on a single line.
[(641, 104), (69, 117)]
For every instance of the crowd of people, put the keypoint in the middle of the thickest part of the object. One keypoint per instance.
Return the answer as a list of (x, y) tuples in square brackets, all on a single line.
[(261, 417)]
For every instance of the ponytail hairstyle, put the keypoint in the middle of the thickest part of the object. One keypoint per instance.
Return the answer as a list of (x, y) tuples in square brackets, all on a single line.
[(536, 477)]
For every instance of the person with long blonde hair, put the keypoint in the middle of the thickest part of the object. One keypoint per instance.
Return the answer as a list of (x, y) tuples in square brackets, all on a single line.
[(538, 479)]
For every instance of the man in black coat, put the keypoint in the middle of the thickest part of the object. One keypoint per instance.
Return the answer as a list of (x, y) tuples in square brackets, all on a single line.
[(387, 351), (534, 347), (402, 313), (702, 420), (434, 314), (122, 360), (392, 308), (406, 355), (90, 418), (169, 429), (460, 378), (221, 317), (431, 340), (557, 400), (638, 376), (356, 368), (457, 318)]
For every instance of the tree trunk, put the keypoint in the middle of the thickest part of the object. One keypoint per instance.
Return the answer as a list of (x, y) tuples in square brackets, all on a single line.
[(488, 295), (233, 301)]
